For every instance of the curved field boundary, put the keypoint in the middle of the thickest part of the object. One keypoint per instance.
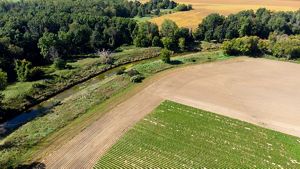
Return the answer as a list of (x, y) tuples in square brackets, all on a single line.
[(258, 91)]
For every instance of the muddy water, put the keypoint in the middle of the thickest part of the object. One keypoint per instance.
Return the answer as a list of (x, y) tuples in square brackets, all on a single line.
[(42, 108)]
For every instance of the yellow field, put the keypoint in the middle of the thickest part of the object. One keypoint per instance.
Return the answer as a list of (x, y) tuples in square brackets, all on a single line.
[(202, 8)]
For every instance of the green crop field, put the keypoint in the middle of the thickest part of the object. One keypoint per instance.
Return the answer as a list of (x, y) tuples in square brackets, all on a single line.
[(178, 136)]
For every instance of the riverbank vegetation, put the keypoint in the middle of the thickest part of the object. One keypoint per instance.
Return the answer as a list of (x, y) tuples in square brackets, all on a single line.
[(36, 34)]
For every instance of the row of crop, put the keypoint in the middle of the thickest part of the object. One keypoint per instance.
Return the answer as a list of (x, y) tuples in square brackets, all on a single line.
[(192, 138)]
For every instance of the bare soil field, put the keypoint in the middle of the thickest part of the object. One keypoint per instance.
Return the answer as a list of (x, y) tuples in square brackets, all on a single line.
[(259, 91), (202, 8)]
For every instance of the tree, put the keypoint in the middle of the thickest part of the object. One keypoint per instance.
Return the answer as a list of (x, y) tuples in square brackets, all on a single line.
[(144, 34), (156, 41), (96, 41), (168, 29), (184, 33), (279, 23), (181, 43), (165, 55), (168, 43), (3, 80), (46, 42), (22, 68), (80, 36), (3, 84), (206, 29)]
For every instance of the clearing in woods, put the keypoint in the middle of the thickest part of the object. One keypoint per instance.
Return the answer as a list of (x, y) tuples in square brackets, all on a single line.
[(179, 136), (202, 8)]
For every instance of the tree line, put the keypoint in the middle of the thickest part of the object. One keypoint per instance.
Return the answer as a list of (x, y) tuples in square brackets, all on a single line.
[(278, 45), (40, 31), (248, 23)]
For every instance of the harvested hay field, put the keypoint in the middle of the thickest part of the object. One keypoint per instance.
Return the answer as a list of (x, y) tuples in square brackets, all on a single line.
[(178, 136), (202, 8)]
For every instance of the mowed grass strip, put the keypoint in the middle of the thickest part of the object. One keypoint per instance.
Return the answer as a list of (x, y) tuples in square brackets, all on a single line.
[(179, 136)]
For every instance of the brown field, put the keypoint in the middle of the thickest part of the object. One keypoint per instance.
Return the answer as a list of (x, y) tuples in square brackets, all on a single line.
[(259, 91), (202, 8)]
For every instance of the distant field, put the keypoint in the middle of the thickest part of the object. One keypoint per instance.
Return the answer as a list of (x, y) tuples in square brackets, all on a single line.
[(203, 8), (178, 136)]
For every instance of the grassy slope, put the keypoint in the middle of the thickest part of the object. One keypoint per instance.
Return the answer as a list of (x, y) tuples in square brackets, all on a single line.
[(78, 111), (179, 136)]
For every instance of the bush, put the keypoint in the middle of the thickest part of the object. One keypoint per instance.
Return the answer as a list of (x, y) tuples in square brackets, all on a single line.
[(106, 57), (183, 7), (242, 46), (165, 55), (137, 78), (132, 72), (121, 71), (3, 80), (59, 63), (294, 53), (285, 46), (39, 86), (22, 68), (36, 73)]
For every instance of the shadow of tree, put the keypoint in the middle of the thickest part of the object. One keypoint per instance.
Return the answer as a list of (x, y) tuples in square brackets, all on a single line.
[(175, 62), (34, 165)]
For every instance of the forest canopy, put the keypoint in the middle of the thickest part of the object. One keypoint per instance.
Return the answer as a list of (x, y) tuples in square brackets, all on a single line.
[(248, 23), (40, 31)]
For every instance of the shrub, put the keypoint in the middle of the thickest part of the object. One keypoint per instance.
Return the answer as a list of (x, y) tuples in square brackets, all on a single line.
[(165, 55), (36, 73), (294, 53), (39, 86), (137, 78), (106, 57), (247, 45), (285, 46), (22, 68), (132, 72), (183, 7), (59, 63), (3, 80), (121, 71)]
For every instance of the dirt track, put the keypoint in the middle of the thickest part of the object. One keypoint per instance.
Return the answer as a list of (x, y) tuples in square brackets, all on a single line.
[(259, 91)]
